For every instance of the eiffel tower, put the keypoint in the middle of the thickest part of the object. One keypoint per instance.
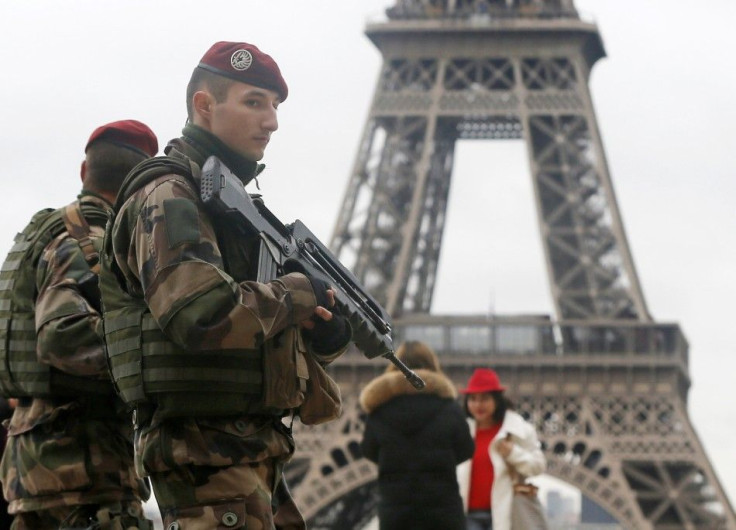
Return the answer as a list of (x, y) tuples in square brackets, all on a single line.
[(604, 383)]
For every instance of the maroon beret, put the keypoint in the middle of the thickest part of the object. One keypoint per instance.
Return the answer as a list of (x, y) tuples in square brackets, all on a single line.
[(131, 134), (245, 63)]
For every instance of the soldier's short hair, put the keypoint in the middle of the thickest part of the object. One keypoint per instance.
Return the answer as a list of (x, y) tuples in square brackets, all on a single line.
[(107, 166), (217, 85)]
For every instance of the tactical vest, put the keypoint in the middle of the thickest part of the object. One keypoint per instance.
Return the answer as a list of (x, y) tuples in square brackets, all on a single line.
[(21, 373), (146, 366)]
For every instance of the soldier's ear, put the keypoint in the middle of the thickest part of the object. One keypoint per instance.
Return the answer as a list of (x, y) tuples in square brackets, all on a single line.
[(83, 170), (202, 105)]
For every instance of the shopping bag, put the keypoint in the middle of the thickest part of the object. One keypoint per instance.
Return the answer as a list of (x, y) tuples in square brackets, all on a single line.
[(527, 513)]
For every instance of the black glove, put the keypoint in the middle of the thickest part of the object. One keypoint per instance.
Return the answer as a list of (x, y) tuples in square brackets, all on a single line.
[(320, 291), (328, 336), (319, 286)]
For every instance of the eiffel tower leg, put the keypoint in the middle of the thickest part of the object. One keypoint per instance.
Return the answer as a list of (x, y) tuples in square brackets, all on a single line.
[(399, 229), (588, 258)]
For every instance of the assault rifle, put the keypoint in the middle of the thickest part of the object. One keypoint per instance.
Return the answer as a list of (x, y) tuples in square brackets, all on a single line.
[(293, 248)]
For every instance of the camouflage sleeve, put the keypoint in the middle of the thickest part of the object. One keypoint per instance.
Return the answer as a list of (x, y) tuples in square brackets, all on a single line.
[(164, 237), (67, 309)]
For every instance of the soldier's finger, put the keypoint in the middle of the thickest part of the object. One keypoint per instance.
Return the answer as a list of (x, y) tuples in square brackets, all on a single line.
[(323, 313)]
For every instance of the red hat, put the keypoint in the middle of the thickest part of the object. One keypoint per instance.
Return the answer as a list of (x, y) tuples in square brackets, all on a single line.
[(245, 63), (131, 134), (483, 380)]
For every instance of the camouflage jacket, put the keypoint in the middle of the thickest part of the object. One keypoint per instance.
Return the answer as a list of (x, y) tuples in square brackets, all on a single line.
[(48, 459), (194, 280), (68, 312)]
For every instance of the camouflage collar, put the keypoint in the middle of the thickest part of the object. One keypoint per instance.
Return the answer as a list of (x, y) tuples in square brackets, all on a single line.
[(205, 144)]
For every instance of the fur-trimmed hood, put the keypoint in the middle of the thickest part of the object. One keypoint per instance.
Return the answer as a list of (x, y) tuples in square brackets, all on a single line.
[(393, 384)]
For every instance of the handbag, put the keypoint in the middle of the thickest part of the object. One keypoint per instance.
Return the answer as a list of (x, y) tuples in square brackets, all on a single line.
[(527, 513)]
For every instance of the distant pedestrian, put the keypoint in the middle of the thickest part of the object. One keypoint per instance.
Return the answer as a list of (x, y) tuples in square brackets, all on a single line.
[(417, 438), (506, 446)]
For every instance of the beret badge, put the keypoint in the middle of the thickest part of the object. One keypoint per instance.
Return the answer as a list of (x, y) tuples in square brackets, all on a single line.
[(241, 60)]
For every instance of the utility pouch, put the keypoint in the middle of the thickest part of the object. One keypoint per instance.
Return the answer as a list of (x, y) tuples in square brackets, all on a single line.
[(285, 371), (322, 401)]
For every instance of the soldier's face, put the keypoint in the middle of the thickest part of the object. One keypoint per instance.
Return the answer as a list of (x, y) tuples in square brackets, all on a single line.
[(245, 120)]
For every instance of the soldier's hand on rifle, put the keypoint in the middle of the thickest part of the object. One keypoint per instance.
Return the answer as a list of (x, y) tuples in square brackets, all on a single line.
[(329, 331), (321, 312)]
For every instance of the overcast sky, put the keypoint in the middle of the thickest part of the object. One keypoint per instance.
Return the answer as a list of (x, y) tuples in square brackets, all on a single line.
[(664, 98)]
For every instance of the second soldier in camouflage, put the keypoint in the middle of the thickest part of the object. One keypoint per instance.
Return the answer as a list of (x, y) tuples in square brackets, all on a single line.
[(69, 457)]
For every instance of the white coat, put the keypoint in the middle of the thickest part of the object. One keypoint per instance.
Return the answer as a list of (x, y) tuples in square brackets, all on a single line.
[(526, 457)]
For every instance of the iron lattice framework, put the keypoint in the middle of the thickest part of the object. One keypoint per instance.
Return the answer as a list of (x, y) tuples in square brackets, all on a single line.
[(604, 384), (479, 77)]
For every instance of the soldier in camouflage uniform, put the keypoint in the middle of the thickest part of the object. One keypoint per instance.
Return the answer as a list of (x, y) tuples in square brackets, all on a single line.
[(69, 460), (213, 361)]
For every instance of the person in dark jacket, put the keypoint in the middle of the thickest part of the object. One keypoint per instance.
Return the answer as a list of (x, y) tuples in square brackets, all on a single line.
[(416, 438)]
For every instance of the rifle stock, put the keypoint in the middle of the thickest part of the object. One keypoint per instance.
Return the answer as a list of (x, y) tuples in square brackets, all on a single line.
[(294, 248)]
